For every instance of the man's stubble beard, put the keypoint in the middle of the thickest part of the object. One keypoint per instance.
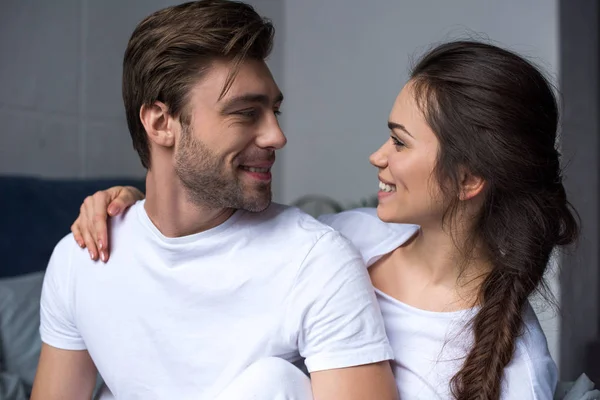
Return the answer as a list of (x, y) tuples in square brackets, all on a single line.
[(208, 182)]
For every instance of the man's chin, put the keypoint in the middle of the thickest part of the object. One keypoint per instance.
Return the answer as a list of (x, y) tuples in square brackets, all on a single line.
[(258, 201), (257, 207)]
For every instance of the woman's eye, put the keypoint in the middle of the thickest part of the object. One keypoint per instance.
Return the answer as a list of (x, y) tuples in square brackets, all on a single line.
[(397, 142)]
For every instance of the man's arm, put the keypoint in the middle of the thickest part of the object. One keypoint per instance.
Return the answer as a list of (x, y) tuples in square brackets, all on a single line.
[(365, 382), (340, 328), (65, 370), (64, 375)]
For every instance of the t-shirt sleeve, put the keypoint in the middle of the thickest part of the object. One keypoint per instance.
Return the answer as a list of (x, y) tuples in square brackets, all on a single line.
[(530, 379), (532, 373), (57, 325), (370, 235), (333, 307)]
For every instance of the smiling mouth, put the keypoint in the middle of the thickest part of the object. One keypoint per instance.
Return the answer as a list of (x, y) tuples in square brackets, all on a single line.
[(259, 174), (387, 188), (256, 169)]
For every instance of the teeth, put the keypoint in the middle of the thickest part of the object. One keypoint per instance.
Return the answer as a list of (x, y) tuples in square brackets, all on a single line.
[(253, 169), (384, 187)]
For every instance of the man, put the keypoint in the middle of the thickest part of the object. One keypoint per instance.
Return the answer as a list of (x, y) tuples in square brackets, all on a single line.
[(206, 276)]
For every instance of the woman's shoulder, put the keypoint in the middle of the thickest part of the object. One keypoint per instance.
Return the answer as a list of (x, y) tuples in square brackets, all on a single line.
[(372, 236)]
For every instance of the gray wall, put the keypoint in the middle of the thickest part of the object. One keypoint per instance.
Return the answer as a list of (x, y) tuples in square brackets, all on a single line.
[(60, 85), (346, 60), (580, 275)]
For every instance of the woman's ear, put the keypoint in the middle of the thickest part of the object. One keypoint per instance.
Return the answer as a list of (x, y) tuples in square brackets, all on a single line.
[(470, 185)]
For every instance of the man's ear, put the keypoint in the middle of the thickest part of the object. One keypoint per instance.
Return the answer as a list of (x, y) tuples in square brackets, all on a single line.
[(470, 185), (158, 124)]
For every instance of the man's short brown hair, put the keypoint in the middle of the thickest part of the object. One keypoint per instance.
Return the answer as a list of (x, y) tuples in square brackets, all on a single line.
[(172, 48)]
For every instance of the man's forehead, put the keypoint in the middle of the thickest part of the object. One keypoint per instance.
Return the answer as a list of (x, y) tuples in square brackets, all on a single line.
[(253, 80), (253, 77)]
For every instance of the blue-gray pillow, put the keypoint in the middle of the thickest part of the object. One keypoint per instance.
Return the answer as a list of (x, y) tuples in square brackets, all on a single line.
[(20, 341)]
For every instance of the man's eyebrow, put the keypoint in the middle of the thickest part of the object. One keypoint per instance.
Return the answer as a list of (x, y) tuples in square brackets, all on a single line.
[(249, 98), (394, 125)]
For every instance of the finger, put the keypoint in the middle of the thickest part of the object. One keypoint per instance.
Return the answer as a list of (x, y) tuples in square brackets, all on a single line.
[(122, 198), (77, 234), (90, 243), (100, 228), (99, 222), (85, 217)]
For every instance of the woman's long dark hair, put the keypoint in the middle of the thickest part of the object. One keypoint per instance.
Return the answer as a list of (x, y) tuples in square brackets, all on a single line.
[(496, 115)]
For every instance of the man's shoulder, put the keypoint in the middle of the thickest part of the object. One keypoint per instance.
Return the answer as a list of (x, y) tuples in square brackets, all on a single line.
[(288, 226), (128, 217), (65, 253), (65, 247), (287, 220), (68, 249)]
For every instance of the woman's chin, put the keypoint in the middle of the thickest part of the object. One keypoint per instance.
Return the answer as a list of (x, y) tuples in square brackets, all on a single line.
[(386, 213), (390, 214)]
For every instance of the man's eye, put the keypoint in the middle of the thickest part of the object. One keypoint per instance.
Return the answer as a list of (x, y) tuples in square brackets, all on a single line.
[(247, 113)]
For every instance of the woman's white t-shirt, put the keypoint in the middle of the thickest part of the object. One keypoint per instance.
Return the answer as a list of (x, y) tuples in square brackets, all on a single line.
[(430, 347)]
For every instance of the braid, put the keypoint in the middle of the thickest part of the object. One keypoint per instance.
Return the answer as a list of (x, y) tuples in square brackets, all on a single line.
[(496, 327)]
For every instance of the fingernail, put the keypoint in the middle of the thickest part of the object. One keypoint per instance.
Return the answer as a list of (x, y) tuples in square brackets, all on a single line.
[(113, 210), (91, 254), (103, 256), (100, 245), (80, 244)]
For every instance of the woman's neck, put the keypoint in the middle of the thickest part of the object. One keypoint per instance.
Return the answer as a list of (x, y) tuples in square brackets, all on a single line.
[(433, 271)]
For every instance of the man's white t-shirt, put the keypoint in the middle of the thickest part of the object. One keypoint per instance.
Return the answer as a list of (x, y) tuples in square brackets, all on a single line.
[(180, 318), (430, 347)]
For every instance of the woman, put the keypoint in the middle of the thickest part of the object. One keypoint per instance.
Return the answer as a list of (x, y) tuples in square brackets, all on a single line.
[(471, 206)]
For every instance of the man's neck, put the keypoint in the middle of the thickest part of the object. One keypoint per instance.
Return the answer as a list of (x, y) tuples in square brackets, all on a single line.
[(169, 208)]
